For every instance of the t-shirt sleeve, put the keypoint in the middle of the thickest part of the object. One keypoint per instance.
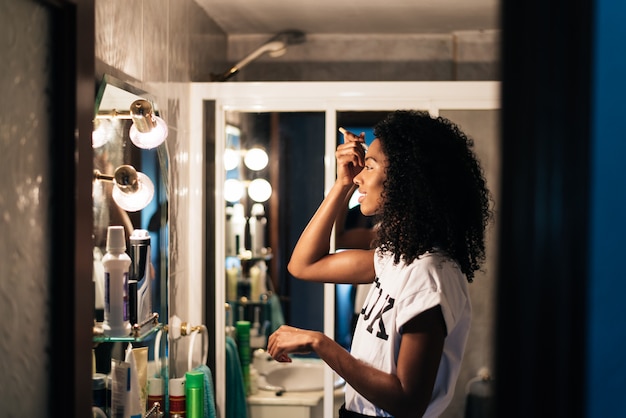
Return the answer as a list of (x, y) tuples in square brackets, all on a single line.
[(429, 287)]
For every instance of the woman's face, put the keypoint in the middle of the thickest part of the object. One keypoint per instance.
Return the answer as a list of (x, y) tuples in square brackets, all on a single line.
[(370, 180)]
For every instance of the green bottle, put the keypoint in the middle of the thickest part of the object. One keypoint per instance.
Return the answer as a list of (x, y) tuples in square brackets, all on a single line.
[(243, 342), (194, 394)]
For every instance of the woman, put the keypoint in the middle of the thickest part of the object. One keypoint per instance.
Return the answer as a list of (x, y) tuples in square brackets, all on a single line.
[(422, 181)]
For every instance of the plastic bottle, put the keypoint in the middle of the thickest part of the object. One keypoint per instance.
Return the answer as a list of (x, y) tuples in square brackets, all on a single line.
[(98, 399), (243, 343), (194, 394), (258, 277), (177, 397), (155, 393), (230, 240), (116, 265), (257, 224), (238, 229)]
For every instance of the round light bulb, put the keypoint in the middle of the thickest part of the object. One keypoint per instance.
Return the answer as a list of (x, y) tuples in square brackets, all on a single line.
[(256, 159), (233, 190), (152, 138), (231, 159), (259, 190), (101, 133), (137, 200)]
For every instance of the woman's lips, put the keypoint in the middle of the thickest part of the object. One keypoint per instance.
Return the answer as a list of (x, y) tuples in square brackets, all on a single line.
[(361, 197)]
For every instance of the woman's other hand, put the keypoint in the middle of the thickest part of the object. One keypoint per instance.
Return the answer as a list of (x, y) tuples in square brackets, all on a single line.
[(289, 340)]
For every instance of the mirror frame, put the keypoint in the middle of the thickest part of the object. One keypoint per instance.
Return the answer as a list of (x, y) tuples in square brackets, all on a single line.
[(328, 97)]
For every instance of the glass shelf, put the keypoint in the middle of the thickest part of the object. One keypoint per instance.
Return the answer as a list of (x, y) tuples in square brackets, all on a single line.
[(247, 256), (139, 333)]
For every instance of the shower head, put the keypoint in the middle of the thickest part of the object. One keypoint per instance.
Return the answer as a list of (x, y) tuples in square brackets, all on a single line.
[(274, 47)]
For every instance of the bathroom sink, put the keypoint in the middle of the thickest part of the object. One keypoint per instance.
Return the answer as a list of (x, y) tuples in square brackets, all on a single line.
[(298, 376)]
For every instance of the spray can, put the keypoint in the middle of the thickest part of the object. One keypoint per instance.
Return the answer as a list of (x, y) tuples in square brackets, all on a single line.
[(177, 397), (116, 264), (194, 394), (140, 275), (155, 393)]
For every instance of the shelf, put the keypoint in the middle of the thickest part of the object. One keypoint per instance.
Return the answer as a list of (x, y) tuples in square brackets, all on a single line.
[(139, 333), (247, 256)]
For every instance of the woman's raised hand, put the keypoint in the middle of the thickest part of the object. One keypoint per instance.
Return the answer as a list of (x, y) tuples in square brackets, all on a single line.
[(350, 156)]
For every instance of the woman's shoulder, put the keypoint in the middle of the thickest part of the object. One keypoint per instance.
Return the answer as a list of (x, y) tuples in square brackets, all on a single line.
[(428, 258)]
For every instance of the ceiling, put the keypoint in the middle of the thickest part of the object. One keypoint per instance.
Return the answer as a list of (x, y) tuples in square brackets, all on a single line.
[(239, 17)]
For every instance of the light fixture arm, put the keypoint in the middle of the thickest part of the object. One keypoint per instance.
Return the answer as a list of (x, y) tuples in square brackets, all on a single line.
[(125, 177), (147, 131)]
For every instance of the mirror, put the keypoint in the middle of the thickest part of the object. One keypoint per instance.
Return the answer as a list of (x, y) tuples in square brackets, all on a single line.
[(302, 153), (118, 164)]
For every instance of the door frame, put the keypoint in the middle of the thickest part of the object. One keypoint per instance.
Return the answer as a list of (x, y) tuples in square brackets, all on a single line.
[(328, 97)]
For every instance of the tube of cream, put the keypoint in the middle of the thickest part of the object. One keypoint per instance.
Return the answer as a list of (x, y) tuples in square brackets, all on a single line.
[(133, 403), (120, 372)]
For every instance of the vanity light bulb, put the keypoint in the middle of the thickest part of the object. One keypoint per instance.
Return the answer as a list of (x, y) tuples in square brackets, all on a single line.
[(259, 190), (231, 159), (101, 133), (233, 190), (256, 159), (137, 200), (152, 138)]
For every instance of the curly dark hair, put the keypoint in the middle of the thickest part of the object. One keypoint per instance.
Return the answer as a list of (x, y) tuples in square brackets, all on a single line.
[(435, 194)]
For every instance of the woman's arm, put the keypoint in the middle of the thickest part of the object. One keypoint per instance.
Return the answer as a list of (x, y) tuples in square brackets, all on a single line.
[(311, 259), (405, 394)]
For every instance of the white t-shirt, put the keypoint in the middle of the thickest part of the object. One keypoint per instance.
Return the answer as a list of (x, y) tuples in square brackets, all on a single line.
[(399, 293)]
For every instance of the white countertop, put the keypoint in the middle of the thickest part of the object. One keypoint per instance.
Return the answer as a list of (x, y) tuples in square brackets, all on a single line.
[(312, 398)]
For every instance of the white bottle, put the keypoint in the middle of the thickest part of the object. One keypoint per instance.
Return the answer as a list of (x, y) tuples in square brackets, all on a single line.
[(257, 230), (116, 265), (238, 229), (230, 238)]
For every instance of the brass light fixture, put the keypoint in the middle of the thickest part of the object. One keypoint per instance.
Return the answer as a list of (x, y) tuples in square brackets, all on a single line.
[(133, 190), (147, 131)]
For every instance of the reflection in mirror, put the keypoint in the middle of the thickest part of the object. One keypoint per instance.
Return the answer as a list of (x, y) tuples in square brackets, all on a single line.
[(283, 154), (247, 199), (303, 136), (130, 190)]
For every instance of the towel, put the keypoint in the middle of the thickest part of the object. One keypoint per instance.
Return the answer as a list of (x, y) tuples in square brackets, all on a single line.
[(276, 312), (209, 397), (236, 405)]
